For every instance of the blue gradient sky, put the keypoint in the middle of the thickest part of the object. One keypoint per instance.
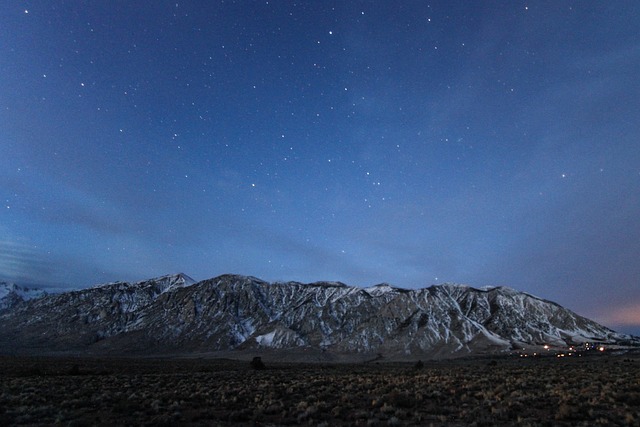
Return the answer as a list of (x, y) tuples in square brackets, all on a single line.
[(486, 143)]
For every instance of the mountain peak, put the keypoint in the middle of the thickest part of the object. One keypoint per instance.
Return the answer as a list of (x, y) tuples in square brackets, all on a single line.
[(178, 279), (329, 284), (169, 282), (12, 294)]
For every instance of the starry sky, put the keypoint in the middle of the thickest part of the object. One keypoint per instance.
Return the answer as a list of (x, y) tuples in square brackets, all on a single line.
[(408, 142)]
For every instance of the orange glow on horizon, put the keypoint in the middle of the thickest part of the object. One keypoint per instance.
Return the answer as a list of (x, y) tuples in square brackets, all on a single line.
[(623, 316)]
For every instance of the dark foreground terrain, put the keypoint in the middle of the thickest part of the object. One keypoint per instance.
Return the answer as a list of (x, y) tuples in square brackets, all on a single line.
[(596, 390)]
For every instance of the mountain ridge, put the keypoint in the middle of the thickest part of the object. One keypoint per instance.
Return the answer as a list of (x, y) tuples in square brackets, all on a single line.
[(176, 314)]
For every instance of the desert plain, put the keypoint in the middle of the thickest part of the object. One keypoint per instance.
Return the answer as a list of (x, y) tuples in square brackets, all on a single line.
[(508, 390)]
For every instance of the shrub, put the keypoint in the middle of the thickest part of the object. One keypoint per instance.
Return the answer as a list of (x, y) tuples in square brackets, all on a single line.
[(257, 363)]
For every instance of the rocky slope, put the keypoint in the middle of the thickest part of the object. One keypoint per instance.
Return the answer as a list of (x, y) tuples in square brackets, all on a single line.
[(173, 314), (12, 295)]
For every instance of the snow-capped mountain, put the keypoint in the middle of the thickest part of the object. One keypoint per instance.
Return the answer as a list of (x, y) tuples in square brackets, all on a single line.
[(12, 294), (173, 314)]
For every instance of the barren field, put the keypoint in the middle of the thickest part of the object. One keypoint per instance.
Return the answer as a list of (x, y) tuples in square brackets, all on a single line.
[(598, 390)]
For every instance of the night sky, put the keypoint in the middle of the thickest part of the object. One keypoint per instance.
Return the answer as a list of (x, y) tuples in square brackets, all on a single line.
[(408, 142)]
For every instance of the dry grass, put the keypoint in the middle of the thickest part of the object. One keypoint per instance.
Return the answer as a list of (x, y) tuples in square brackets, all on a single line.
[(590, 391)]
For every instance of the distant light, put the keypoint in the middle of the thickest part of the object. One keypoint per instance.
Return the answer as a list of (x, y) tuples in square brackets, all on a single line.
[(601, 348)]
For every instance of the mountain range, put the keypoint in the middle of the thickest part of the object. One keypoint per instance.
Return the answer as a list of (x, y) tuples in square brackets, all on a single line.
[(235, 314)]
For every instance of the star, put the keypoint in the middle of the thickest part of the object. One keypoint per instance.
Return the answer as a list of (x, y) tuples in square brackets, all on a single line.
[(467, 115)]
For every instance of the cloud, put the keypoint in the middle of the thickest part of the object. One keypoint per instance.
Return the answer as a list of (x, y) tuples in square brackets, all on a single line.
[(23, 263)]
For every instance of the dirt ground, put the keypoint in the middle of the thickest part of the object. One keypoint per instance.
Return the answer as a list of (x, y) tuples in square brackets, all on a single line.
[(598, 390)]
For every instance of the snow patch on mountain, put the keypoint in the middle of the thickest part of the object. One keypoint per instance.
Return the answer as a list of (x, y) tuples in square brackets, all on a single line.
[(266, 339), (12, 294), (380, 289)]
